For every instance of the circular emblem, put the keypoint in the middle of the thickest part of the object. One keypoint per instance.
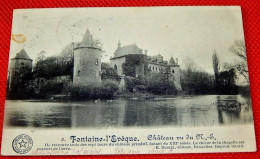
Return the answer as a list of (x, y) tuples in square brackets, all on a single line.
[(22, 144)]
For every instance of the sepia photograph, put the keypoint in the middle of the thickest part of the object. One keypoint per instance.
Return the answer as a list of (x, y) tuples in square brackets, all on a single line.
[(140, 67)]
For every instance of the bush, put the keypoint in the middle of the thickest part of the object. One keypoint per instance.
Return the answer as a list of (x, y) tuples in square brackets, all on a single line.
[(104, 91), (108, 88), (132, 82), (159, 84), (51, 87), (162, 87)]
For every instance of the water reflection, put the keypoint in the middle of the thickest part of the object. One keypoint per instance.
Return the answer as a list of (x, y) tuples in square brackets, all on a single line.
[(207, 110)]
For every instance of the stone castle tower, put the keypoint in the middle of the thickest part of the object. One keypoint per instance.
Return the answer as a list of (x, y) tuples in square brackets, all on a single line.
[(175, 74), (20, 69), (87, 62)]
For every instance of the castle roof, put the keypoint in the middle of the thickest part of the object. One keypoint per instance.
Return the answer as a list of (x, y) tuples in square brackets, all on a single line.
[(172, 61), (157, 58), (22, 55), (88, 40), (126, 50)]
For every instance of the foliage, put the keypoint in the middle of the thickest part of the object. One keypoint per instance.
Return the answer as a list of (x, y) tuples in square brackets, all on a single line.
[(103, 91), (216, 67), (53, 66), (132, 82), (21, 91), (239, 49), (158, 83), (227, 82), (51, 87), (109, 73), (197, 82), (20, 88), (108, 88), (200, 82), (133, 62)]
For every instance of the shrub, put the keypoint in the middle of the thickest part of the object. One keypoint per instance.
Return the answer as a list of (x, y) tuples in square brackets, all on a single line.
[(162, 87), (52, 87), (108, 88), (132, 82), (159, 84), (103, 91)]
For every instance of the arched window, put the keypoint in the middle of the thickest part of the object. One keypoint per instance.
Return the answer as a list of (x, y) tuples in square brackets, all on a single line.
[(153, 67), (78, 72), (172, 71)]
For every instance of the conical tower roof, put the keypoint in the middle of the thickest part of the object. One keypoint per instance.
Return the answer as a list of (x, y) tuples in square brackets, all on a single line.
[(172, 61), (87, 39), (22, 55)]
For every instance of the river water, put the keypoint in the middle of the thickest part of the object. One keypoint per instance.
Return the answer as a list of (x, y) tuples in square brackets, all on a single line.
[(188, 111)]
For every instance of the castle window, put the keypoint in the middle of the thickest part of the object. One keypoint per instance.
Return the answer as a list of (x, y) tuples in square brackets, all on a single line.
[(96, 61), (78, 72), (172, 71), (22, 66), (153, 67), (156, 68), (115, 67)]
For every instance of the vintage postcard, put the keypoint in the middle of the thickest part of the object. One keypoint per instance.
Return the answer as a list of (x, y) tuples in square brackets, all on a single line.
[(132, 80)]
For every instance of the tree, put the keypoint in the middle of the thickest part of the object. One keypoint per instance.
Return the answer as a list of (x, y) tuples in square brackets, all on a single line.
[(239, 49), (190, 65), (216, 67), (67, 51), (109, 72), (227, 84), (40, 57), (159, 83)]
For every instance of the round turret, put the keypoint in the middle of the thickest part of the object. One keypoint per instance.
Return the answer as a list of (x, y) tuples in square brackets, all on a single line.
[(20, 69), (87, 62)]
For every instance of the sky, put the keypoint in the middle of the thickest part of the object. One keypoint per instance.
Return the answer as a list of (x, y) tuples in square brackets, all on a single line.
[(180, 32)]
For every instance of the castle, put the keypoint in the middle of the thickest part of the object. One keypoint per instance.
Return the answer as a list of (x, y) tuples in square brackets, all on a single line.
[(154, 64), (87, 64)]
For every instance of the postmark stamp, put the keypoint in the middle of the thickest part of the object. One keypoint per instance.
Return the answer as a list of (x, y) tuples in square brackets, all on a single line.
[(22, 144)]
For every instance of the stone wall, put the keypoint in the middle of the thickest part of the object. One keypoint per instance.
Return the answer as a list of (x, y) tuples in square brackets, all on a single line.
[(87, 66), (118, 63), (175, 71)]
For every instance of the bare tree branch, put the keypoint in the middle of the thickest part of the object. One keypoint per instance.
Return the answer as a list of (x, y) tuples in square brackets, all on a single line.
[(239, 49)]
